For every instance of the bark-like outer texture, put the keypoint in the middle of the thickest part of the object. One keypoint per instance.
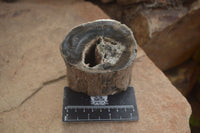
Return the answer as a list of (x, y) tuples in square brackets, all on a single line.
[(98, 83), (103, 79)]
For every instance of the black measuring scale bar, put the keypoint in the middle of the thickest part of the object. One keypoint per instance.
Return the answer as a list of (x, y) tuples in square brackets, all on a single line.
[(79, 107)]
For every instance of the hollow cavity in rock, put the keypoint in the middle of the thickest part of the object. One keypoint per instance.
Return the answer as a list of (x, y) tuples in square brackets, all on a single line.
[(103, 50)]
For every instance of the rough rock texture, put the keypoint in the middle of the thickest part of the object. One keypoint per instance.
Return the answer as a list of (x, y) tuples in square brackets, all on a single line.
[(160, 27), (97, 83), (113, 9), (151, 28), (184, 76), (176, 43), (127, 2), (152, 3), (147, 22), (32, 76), (106, 1)]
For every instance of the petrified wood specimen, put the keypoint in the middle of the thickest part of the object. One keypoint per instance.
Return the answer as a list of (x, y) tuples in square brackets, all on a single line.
[(99, 56)]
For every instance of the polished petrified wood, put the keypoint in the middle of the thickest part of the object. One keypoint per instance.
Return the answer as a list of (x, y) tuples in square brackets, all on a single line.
[(99, 57)]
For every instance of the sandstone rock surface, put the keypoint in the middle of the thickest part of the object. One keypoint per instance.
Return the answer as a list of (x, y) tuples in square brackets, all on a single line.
[(176, 43), (32, 75), (159, 30), (30, 40), (145, 23)]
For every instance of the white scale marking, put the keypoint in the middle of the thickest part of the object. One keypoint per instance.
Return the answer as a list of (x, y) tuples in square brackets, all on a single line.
[(117, 107), (100, 107), (109, 115), (65, 118), (100, 119), (131, 115)]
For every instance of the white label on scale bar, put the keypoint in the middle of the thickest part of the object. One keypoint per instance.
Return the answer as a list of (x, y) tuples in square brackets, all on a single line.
[(99, 100)]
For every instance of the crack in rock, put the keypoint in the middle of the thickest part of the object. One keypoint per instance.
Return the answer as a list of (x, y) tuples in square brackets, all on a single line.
[(35, 92)]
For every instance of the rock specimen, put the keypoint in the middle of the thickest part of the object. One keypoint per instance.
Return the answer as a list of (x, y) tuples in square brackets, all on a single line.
[(99, 56)]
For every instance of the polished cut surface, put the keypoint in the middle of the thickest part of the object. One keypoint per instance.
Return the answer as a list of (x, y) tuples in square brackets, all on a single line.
[(92, 37)]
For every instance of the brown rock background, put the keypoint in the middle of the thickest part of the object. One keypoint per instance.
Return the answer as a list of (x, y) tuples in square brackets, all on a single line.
[(176, 43)]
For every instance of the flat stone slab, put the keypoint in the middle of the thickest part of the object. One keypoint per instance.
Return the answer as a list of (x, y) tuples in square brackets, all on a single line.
[(31, 34), (32, 75)]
